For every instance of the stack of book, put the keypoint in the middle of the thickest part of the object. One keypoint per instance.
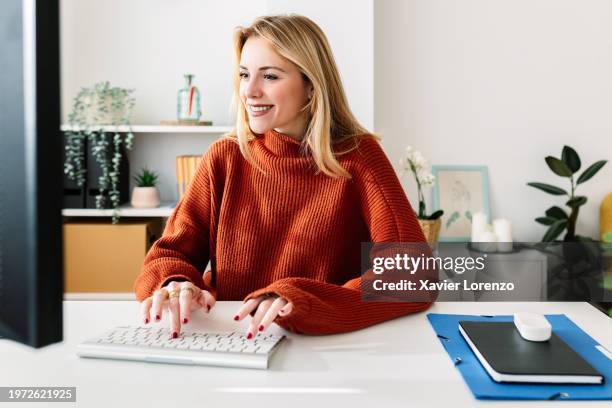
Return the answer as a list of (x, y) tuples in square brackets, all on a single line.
[(186, 167)]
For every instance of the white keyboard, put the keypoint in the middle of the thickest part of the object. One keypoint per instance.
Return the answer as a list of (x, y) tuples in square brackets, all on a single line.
[(153, 344)]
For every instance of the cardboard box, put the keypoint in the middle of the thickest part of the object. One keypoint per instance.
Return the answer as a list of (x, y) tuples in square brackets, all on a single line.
[(101, 257)]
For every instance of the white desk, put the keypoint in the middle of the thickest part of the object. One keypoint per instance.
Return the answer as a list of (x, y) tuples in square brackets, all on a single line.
[(397, 363)]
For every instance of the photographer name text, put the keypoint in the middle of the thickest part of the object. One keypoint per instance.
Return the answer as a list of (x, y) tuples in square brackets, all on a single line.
[(425, 284)]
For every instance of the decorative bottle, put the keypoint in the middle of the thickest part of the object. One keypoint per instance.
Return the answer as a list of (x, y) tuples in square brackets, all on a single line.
[(188, 104)]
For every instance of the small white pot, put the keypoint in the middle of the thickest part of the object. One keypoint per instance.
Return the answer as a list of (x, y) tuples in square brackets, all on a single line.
[(145, 197)]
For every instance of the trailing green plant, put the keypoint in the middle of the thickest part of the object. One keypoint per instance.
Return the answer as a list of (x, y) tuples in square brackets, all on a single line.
[(414, 162), (146, 178), (557, 219), (92, 109)]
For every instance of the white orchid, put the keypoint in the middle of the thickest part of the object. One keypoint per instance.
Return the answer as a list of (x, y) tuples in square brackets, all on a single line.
[(414, 161), (418, 161), (428, 180)]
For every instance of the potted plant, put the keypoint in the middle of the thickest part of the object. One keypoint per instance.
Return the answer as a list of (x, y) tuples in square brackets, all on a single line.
[(94, 108), (414, 162), (555, 217), (145, 194), (574, 262)]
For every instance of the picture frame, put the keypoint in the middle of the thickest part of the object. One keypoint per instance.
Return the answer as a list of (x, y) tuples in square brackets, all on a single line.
[(460, 190)]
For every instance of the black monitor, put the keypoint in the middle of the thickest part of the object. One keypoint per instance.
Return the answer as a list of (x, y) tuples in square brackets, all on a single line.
[(31, 263)]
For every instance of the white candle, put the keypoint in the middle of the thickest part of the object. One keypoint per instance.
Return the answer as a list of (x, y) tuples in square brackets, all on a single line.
[(479, 225), (503, 230), (488, 241)]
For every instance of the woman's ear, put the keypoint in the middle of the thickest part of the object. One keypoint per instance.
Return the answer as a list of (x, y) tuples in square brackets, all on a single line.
[(309, 87)]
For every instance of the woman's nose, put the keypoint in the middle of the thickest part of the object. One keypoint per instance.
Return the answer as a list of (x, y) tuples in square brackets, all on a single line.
[(253, 89)]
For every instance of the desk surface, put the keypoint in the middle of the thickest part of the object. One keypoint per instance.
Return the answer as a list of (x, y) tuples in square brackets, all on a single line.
[(396, 363)]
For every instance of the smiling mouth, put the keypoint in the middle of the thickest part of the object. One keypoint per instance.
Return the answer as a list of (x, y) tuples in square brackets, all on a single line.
[(260, 108)]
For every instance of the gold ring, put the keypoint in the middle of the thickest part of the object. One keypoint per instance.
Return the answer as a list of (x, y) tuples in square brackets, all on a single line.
[(173, 293), (190, 289)]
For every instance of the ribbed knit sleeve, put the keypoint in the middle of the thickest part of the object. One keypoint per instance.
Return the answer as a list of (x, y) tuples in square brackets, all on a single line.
[(183, 250), (325, 308)]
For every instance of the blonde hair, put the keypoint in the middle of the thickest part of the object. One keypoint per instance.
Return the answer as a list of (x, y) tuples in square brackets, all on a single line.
[(301, 41)]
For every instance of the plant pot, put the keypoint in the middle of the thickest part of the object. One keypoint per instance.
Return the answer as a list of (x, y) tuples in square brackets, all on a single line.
[(572, 274), (431, 230), (145, 197)]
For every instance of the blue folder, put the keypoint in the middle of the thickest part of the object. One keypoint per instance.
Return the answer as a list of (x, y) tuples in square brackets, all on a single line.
[(483, 386)]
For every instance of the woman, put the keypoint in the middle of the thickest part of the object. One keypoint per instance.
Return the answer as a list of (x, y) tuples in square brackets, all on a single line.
[(281, 206)]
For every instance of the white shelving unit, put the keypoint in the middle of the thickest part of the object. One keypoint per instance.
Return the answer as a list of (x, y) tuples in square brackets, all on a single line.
[(164, 210), (99, 296), (162, 129)]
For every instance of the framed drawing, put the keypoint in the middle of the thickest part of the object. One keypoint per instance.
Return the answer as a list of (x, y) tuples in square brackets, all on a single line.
[(460, 190)]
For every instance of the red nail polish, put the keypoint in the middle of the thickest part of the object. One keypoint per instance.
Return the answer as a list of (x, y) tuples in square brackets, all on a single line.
[(185, 321), (249, 335), (157, 317), (146, 321), (208, 307), (174, 335), (261, 327), (236, 317)]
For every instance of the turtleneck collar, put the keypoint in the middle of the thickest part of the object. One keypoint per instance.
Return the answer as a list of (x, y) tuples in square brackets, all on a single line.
[(280, 144)]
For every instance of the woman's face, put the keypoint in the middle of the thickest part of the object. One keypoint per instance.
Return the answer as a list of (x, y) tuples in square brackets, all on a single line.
[(272, 90)]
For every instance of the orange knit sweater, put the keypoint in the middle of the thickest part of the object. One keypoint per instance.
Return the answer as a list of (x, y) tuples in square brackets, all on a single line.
[(289, 231)]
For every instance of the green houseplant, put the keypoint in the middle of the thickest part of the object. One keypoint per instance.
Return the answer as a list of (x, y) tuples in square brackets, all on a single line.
[(414, 162), (145, 194), (94, 108), (556, 219), (146, 178), (575, 262)]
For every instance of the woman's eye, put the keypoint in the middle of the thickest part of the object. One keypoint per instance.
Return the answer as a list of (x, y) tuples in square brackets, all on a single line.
[(270, 77), (243, 75)]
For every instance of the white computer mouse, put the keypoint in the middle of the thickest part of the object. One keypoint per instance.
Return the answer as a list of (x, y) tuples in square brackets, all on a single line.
[(532, 326)]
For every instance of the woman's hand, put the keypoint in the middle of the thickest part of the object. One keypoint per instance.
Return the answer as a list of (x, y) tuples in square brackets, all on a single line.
[(181, 298), (267, 310)]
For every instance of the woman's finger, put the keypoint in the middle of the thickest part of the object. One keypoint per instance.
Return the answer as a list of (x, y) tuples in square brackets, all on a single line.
[(159, 299), (145, 309), (208, 300), (288, 308), (174, 308), (203, 299), (247, 308), (262, 308), (185, 300), (271, 314), (198, 300)]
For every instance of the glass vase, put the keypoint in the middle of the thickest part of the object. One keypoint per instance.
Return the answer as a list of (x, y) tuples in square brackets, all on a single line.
[(188, 104)]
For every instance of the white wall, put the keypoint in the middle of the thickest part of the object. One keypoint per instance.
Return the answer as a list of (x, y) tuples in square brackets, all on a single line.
[(499, 83), (148, 45), (349, 27)]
